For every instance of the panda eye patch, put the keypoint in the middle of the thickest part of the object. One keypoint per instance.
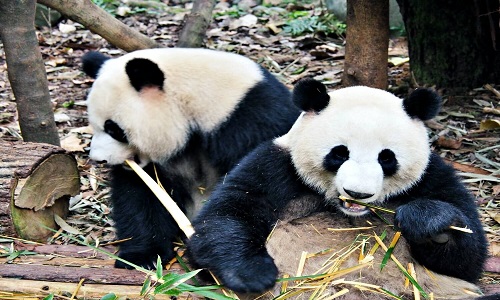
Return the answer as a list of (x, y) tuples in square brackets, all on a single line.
[(337, 156), (388, 162), (115, 131)]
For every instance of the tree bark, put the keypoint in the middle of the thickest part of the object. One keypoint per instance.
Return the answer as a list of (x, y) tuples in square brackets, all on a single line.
[(26, 72), (100, 22), (196, 24), (453, 44), (367, 38), (36, 181)]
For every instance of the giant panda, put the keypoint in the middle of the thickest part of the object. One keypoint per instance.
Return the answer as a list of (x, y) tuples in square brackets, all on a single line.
[(356, 142), (187, 116)]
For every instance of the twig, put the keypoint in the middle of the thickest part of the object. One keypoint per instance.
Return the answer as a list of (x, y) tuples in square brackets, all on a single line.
[(492, 89), (463, 229), (77, 289), (170, 205)]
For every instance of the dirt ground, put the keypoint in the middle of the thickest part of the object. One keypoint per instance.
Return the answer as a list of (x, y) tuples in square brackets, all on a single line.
[(457, 133)]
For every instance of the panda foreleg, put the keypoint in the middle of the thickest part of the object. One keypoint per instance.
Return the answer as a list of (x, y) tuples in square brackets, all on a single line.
[(141, 218), (232, 228), (425, 224)]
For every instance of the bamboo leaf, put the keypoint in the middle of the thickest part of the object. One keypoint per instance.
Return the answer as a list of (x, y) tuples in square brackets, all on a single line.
[(389, 251), (146, 286), (159, 268), (110, 296), (49, 297)]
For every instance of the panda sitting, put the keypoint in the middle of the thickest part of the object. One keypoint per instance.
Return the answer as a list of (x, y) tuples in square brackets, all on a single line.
[(357, 142), (187, 116)]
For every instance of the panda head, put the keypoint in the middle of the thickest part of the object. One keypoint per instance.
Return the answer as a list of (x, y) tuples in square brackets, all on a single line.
[(359, 142), (125, 110)]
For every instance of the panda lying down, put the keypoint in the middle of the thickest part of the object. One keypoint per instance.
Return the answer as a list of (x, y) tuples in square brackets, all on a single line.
[(356, 142)]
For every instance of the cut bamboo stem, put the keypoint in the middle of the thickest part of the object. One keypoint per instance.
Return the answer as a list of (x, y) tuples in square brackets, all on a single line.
[(179, 217)]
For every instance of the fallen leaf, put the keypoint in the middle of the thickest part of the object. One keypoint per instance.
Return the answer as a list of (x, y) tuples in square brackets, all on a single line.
[(491, 110), (496, 190), (397, 61), (65, 226), (73, 143), (66, 28), (482, 102), (245, 21), (449, 143), (495, 249), (489, 124), (61, 118), (460, 115)]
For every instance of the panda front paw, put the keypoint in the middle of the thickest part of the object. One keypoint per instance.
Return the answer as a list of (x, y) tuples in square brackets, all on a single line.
[(249, 274), (427, 220)]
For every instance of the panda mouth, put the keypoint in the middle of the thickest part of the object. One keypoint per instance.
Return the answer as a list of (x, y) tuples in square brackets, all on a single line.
[(353, 207)]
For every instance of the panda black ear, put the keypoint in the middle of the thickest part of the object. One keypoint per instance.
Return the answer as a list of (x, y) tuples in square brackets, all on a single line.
[(310, 95), (143, 72), (423, 104), (92, 62)]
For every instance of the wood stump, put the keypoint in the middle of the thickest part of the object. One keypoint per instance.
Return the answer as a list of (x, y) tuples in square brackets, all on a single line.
[(36, 181)]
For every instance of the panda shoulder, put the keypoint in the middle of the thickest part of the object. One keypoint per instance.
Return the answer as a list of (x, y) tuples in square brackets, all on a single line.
[(266, 155), (441, 176)]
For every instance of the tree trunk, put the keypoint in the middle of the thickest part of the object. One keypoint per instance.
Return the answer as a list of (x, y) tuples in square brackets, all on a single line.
[(453, 44), (100, 22), (26, 72), (367, 37), (36, 181), (196, 24)]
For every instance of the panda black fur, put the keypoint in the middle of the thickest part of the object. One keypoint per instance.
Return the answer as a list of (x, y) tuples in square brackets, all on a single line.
[(192, 113), (355, 142)]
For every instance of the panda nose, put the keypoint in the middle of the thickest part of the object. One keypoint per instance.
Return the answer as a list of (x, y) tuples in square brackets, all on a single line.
[(357, 195)]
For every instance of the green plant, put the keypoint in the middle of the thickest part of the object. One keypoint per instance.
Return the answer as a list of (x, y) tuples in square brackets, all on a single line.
[(109, 6), (299, 23), (233, 12)]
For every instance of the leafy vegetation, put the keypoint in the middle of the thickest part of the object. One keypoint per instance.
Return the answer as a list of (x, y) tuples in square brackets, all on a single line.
[(300, 22)]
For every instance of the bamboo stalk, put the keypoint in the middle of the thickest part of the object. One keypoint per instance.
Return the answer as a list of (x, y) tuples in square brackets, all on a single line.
[(165, 199)]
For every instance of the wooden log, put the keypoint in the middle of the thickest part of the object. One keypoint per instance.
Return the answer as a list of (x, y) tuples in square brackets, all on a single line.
[(62, 267), (36, 181), (40, 289), (72, 274)]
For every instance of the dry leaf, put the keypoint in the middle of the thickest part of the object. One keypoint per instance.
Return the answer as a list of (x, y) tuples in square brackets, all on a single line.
[(496, 190), (73, 143), (449, 143), (489, 124), (65, 226), (495, 249), (397, 61), (494, 215), (491, 110)]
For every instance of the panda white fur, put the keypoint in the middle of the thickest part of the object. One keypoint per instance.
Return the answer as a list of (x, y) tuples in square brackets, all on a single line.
[(356, 142), (192, 114)]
